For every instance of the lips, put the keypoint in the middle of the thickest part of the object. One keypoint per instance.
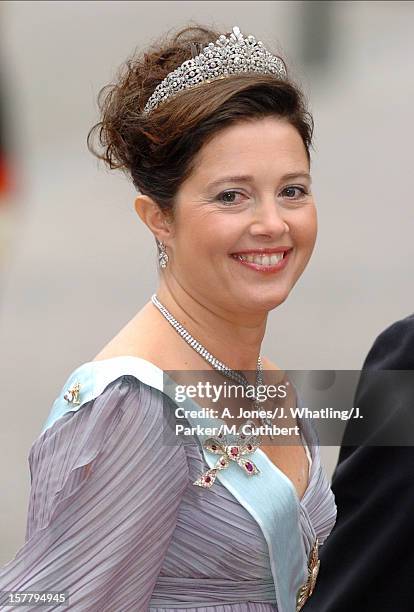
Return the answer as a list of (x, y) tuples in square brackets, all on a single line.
[(266, 256), (266, 262), (265, 251)]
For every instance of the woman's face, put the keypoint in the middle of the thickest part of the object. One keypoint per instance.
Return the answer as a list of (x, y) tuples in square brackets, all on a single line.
[(218, 219)]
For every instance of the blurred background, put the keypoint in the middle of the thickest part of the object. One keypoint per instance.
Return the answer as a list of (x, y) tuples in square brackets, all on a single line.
[(76, 263)]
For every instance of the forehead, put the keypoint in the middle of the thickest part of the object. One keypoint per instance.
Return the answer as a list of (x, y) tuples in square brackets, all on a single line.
[(266, 141)]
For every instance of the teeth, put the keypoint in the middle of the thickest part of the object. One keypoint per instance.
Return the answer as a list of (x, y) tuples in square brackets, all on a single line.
[(262, 260)]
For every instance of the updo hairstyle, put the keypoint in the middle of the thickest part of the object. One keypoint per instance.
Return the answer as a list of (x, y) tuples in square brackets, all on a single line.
[(158, 152)]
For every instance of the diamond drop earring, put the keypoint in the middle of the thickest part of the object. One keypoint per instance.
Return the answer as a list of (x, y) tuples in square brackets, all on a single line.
[(162, 254)]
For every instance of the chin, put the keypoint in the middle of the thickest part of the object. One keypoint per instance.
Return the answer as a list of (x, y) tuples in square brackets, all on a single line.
[(262, 302), (274, 303)]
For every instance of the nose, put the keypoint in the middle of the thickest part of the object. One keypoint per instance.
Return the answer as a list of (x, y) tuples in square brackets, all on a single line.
[(268, 219)]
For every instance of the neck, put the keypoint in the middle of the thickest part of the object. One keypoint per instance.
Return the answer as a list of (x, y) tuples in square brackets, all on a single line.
[(232, 337)]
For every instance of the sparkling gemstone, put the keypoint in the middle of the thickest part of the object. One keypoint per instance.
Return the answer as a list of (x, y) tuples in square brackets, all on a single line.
[(249, 466)]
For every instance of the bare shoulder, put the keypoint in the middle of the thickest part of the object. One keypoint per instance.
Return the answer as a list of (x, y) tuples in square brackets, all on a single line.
[(134, 339)]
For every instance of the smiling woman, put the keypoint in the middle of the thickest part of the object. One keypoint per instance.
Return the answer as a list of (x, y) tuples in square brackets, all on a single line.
[(234, 241), (216, 138)]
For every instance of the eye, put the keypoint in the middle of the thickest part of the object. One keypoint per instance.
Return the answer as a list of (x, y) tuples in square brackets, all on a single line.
[(291, 188), (224, 199)]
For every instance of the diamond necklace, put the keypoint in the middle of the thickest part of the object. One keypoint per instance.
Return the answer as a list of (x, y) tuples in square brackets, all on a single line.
[(216, 363)]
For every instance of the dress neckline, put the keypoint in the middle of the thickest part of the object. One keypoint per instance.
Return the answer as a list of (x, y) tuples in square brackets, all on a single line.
[(157, 383)]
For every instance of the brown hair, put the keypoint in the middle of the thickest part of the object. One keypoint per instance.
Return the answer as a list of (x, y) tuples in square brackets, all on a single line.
[(158, 152)]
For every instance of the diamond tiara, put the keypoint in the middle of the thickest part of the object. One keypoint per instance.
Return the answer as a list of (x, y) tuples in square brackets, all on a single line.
[(227, 56)]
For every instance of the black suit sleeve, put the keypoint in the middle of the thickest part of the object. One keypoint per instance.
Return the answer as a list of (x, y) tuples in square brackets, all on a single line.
[(367, 563)]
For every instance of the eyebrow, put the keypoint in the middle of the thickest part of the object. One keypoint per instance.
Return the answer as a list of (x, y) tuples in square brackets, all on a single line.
[(247, 178)]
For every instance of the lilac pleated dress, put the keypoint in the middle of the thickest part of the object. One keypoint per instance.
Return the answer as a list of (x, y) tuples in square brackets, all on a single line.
[(115, 521)]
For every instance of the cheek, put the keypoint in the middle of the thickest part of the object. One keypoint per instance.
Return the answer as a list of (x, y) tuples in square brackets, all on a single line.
[(305, 227), (201, 241), (210, 235)]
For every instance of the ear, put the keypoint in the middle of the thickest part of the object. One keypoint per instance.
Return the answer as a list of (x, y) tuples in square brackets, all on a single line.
[(151, 214)]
